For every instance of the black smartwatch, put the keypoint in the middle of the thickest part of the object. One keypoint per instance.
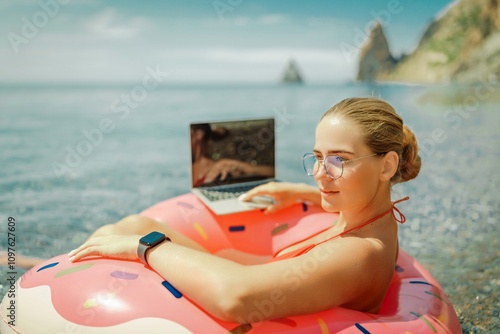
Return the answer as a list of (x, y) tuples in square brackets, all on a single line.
[(149, 241)]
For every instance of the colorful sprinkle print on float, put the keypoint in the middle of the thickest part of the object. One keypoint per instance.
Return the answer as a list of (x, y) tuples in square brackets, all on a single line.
[(110, 296)]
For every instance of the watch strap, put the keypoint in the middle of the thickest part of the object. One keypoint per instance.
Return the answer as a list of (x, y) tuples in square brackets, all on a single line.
[(141, 252)]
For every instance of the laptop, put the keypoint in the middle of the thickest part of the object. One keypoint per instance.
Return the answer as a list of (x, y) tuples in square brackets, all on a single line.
[(228, 159)]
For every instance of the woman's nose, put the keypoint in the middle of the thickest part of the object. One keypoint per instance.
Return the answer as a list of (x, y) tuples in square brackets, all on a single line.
[(321, 173)]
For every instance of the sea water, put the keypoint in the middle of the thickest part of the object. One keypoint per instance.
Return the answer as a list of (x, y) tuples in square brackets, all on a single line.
[(75, 157)]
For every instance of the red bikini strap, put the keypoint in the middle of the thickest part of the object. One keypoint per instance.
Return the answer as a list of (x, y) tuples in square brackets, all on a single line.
[(400, 218), (307, 248)]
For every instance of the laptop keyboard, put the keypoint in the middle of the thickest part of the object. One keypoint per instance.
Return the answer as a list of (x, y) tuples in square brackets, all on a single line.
[(226, 193)]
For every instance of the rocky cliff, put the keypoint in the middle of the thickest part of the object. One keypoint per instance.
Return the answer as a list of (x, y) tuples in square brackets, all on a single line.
[(376, 60), (462, 45)]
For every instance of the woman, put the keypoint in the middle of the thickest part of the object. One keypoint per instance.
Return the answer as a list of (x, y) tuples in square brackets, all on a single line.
[(361, 149)]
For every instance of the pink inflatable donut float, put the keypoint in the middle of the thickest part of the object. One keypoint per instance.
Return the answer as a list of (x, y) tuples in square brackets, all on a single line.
[(112, 296)]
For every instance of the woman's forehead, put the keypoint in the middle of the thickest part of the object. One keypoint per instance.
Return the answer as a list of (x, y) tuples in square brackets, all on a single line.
[(338, 134)]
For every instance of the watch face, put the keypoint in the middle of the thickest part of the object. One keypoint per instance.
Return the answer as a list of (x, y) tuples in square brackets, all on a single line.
[(152, 238)]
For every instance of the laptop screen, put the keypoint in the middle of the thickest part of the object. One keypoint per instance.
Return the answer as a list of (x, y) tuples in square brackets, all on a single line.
[(232, 152)]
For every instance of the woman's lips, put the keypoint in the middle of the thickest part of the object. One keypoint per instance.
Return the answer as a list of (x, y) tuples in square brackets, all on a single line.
[(325, 192)]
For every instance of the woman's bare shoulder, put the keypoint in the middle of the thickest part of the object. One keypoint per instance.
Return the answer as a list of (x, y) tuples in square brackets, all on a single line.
[(361, 269)]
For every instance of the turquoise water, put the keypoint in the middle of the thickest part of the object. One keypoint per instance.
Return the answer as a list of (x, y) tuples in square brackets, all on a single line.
[(61, 178)]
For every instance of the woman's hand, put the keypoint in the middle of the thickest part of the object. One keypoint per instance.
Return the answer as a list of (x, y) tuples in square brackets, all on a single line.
[(114, 246), (285, 194)]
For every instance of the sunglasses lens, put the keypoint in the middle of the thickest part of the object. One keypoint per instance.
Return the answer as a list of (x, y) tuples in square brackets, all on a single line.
[(333, 165), (310, 164)]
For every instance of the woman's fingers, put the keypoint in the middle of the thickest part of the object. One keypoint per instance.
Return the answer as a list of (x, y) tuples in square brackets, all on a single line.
[(257, 191), (85, 250), (80, 254), (283, 193), (120, 247)]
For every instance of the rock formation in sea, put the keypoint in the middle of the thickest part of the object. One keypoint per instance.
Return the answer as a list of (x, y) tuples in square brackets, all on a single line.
[(376, 59), (461, 45), (292, 73)]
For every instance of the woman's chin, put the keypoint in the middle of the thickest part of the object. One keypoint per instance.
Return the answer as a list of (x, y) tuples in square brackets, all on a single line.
[(329, 206)]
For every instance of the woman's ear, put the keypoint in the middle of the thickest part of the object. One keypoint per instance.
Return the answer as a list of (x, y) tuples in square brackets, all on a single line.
[(390, 166)]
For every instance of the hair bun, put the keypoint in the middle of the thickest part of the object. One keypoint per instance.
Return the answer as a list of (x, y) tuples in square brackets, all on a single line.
[(411, 161)]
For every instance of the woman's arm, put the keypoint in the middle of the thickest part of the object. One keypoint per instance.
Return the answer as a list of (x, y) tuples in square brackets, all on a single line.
[(329, 275)]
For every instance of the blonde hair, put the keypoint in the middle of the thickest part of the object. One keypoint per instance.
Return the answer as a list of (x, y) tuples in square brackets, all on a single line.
[(383, 131)]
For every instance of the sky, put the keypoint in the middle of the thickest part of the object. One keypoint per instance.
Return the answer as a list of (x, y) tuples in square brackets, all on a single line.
[(113, 41)]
